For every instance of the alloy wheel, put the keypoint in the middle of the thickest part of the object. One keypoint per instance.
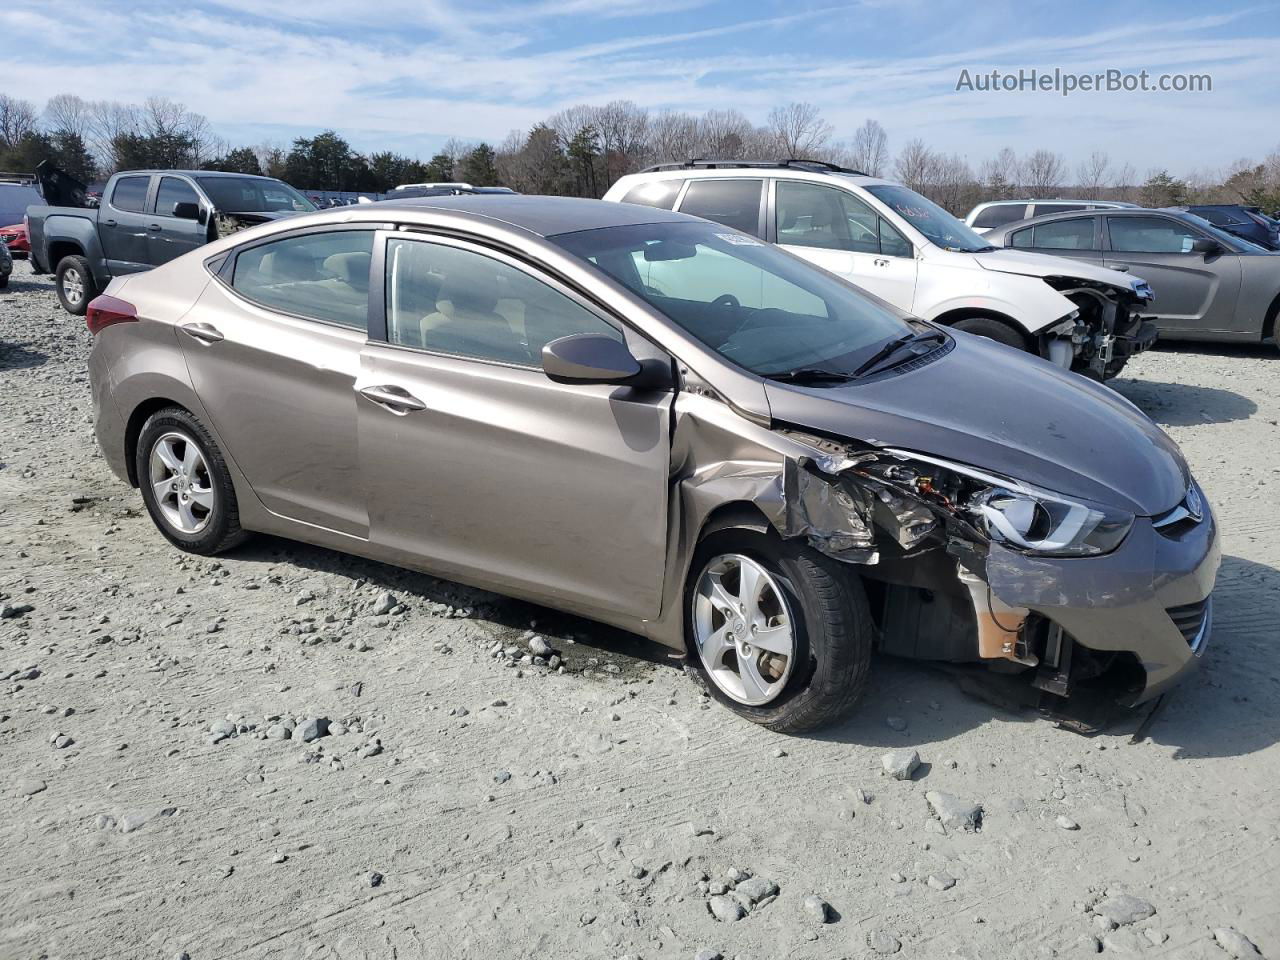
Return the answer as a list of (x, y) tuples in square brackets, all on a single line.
[(743, 628), (181, 483), (73, 285)]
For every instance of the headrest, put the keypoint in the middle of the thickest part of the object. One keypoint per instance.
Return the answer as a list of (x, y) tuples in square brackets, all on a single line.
[(352, 267)]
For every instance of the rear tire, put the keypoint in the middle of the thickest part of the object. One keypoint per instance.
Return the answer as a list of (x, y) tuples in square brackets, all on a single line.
[(992, 329), (75, 285), (195, 508), (832, 631)]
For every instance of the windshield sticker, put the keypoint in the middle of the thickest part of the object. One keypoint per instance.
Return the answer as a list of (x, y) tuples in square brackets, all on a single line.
[(741, 239)]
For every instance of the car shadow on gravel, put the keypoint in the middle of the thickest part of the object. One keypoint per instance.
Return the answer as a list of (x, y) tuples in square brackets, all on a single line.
[(505, 613), (1184, 404), (15, 356)]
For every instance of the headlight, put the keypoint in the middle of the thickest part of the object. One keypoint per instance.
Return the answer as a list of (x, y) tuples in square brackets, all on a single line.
[(1021, 517), (1050, 526)]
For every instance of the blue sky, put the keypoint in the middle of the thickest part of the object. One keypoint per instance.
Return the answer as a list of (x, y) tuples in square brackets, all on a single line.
[(407, 74)]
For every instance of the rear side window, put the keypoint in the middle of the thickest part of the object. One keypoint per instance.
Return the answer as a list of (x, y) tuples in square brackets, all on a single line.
[(324, 276), (735, 203), (1073, 234), (130, 193), (1040, 209), (1000, 214), (1150, 235), (171, 191), (655, 193), (450, 300)]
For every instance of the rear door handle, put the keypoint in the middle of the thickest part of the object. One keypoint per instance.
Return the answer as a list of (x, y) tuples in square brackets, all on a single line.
[(155, 227), (1122, 267), (879, 262), (109, 223), (202, 331), (396, 399)]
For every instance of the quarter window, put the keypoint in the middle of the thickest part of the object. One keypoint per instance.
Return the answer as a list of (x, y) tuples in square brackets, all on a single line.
[(450, 300), (735, 203), (130, 194), (172, 190), (324, 276), (1150, 235), (655, 193)]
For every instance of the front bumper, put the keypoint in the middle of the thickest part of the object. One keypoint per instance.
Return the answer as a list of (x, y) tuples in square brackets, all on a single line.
[(1142, 339), (1150, 597)]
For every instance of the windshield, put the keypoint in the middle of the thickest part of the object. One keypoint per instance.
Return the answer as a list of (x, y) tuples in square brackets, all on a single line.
[(938, 226), (755, 305), (254, 195)]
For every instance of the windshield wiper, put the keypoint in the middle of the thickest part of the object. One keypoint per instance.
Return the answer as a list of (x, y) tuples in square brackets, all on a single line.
[(804, 375), (878, 359)]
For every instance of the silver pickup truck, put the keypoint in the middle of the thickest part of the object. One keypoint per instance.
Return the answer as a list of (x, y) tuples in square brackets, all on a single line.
[(145, 218)]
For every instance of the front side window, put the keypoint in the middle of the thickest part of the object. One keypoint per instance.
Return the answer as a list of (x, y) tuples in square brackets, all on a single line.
[(253, 195), (451, 300), (751, 302), (130, 193), (938, 226), (735, 203), (655, 193), (173, 190), (323, 276), (810, 215), (1150, 235)]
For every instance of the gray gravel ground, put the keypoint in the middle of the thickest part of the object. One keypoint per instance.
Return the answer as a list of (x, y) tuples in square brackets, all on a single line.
[(265, 756)]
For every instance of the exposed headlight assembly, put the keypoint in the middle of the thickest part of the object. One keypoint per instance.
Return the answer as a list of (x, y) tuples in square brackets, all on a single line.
[(1030, 520)]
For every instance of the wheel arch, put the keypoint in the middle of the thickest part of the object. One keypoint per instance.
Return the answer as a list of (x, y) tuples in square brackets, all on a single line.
[(133, 429), (952, 317), (59, 250), (1269, 324)]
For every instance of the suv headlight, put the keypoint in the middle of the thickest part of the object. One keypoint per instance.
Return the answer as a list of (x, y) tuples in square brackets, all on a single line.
[(1051, 526)]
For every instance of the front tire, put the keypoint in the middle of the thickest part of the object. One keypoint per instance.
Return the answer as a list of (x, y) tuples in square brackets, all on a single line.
[(993, 329), (186, 485), (780, 633), (75, 285)]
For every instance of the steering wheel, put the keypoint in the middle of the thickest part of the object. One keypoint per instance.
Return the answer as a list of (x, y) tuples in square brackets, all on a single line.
[(726, 300)]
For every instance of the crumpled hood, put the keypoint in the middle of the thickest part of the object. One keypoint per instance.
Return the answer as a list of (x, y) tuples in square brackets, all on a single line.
[(1046, 265), (1004, 411)]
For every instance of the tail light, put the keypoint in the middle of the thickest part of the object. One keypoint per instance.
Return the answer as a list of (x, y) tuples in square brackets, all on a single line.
[(104, 311)]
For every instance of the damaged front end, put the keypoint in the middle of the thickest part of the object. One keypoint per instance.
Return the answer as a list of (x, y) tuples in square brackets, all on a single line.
[(949, 555), (1104, 330)]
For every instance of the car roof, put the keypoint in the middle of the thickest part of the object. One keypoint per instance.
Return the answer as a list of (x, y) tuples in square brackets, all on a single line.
[(755, 170), (194, 173), (545, 216), (1077, 214)]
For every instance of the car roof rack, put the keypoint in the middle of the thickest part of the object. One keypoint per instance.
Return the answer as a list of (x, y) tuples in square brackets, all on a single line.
[(697, 163), (17, 177)]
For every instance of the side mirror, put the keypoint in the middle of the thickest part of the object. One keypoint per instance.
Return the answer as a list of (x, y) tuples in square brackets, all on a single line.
[(1206, 245), (186, 210), (589, 358)]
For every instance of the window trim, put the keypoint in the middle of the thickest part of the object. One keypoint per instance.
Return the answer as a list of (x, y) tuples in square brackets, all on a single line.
[(378, 323), (148, 198), (761, 209), (1110, 247), (223, 267)]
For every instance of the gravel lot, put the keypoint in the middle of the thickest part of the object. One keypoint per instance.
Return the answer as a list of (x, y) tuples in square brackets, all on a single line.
[(161, 799)]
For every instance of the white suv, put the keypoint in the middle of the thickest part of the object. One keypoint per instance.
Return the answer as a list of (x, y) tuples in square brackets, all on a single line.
[(907, 250)]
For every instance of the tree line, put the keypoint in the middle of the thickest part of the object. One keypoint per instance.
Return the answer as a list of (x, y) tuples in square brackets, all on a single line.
[(582, 150)]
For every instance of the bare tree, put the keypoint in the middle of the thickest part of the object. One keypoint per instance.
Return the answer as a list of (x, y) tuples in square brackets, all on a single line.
[(1094, 174), (1043, 172), (1123, 185), (673, 137), (17, 119), (870, 152), (798, 129), (916, 164), (1001, 176), (624, 130), (109, 120), (952, 184), (724, 135), (67, 113)]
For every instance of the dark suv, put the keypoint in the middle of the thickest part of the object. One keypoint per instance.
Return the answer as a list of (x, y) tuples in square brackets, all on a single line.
[(1248, 222)]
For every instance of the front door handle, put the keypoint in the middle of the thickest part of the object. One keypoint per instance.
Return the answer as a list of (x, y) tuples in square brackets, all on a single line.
[(879, 262), (396, 399), (155, 227), (1122, 267), (109, 223), (202, 331)]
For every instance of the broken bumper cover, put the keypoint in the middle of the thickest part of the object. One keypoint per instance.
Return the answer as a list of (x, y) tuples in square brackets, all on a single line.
[(1150, 597), (1141, 340)]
